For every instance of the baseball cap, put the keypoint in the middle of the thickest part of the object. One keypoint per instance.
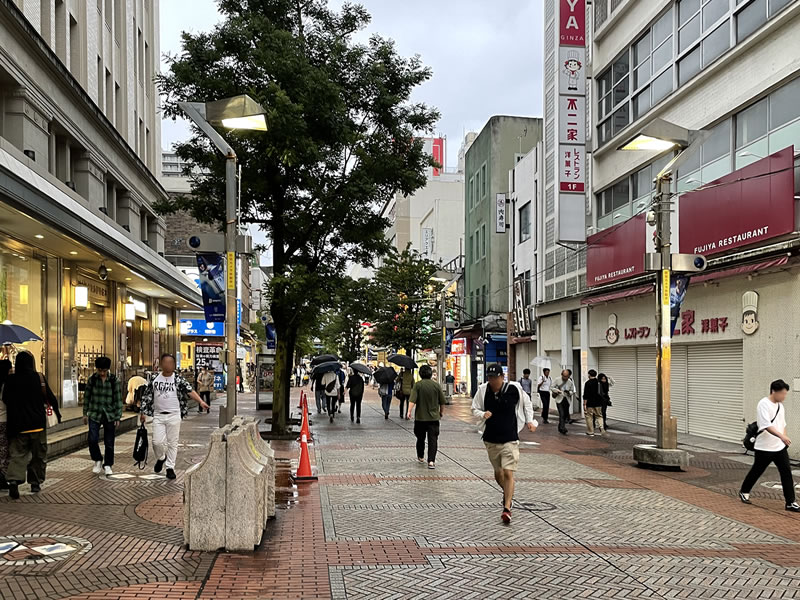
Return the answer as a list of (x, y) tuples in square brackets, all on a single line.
[(494, 370)]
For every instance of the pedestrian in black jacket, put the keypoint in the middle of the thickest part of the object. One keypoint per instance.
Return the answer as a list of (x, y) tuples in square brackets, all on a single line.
[(593, 404), (26, 395)]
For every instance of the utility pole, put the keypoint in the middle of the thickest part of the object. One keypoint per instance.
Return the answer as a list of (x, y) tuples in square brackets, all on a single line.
[(443, 361), (231, 324)]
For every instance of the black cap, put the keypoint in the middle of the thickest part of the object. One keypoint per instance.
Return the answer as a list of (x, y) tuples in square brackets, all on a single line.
[(494, 370)]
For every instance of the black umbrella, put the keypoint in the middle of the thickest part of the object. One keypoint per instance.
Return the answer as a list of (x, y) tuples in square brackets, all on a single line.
[(323, 358), (326, 367), (403, 360), (385, 375), (16, 334), (361, 368)]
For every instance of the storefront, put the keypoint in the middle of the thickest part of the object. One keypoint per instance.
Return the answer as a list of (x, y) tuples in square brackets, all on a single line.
[(22, 284), (458, 363)]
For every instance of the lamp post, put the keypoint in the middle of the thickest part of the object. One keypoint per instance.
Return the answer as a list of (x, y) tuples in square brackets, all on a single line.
[(239, 112), (661, 136)]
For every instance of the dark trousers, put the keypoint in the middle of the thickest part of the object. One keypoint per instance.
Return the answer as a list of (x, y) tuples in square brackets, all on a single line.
[(403, 405), (206, 396), (332, 404), (109, 432), (27, 455), (319, 395), (545, 397), (429, 429), (563, 414), (355, 406), (386, 403), (760, 463)]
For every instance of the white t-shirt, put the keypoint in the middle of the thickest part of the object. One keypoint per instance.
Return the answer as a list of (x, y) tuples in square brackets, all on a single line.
[(544, 383), (766, 411), (165, 395)]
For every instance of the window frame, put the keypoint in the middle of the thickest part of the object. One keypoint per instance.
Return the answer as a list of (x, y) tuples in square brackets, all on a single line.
[(520, 236)]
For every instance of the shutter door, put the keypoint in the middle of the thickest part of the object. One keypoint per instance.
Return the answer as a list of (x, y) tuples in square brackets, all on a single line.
[(620, 364), (715, 399), (678, 388), (646, 385)]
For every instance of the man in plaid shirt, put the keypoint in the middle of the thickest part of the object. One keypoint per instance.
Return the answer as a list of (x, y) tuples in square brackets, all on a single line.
[(102, 405)]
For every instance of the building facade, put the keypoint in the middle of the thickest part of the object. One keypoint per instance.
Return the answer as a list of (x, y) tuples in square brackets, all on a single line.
[(82, 261)]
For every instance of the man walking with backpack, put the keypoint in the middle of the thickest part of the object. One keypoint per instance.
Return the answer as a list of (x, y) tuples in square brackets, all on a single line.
[(102, 406), (771, 445)]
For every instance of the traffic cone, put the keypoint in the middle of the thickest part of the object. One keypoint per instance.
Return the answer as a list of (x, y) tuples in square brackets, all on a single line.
[(304, 429), (304, 471)]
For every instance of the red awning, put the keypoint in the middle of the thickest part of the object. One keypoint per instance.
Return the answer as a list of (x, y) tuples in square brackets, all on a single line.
[(618, 295)]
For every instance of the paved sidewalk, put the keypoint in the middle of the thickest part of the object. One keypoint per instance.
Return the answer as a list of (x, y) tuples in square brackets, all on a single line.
[(378, 525)]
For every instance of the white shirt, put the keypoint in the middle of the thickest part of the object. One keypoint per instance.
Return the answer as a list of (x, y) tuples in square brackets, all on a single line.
[(544, 383), (165, 395), (524, 406), (766, 411)]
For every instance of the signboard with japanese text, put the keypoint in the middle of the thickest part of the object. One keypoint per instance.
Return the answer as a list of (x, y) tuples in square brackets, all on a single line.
[(427, 241), (458, 347), (572, 176), (572, 23), (501, 213), (207, 355), (572, 119)]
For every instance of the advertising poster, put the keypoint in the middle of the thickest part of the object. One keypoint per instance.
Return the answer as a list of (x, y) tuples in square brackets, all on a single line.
[(678, 285), (212, 284)]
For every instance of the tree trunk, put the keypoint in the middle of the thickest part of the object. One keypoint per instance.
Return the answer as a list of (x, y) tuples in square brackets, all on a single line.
[(284, 352)]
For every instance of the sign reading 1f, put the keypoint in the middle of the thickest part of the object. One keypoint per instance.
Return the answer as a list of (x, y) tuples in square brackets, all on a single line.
[(573, 23)]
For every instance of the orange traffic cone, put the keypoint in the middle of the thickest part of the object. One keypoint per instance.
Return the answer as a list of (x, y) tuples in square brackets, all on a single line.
[(304, 429), (304, 471)]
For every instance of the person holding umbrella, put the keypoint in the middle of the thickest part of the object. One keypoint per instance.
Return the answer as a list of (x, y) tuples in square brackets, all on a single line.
[(406, 379), (385, 377)]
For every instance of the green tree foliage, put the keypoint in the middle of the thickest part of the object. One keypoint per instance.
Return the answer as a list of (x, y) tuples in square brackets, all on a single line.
[(408, 312), (342, 140), (356, 302)]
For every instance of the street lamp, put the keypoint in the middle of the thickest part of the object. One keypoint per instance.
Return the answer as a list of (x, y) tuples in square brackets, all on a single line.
[(239, 112), (660, 135)]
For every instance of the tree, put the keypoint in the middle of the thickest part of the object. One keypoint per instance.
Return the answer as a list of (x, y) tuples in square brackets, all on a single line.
[(408, 313), (356, 302), (342, 140)]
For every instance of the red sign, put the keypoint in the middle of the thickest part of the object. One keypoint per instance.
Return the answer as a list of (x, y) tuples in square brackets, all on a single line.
[(751, 205), (438, 155), (689, 322), (573, 23), (458, 347), (616, 253)]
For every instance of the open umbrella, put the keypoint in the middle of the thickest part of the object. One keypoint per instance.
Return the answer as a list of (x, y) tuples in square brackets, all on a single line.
[(326, 367), (323, 358), (403, 360), (543, 362), (16, 334), (361, 368), (385, 375)]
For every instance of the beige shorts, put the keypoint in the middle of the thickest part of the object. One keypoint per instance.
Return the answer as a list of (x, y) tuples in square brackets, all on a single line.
[(503, 456)]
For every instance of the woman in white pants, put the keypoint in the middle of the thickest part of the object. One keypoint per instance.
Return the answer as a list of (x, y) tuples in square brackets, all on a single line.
[(166, 399)]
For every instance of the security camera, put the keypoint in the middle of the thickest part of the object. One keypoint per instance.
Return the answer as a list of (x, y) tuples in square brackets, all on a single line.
[(651, 217), (102, 272), (195, 241)]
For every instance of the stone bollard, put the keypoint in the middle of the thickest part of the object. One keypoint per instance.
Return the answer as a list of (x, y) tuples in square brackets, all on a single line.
[(204, 492), (246, 494), (264, 454)]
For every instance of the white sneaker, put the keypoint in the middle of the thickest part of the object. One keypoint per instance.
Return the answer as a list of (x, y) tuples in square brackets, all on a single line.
[(108, 470), (98, 467)]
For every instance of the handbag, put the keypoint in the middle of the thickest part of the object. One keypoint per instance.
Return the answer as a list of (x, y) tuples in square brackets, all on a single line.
[(140, 447), (52, 419)]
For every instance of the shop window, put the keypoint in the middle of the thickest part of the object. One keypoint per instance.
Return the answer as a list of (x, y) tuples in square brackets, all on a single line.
[(783, 105), (752, 123), (525, 223), (22, 299)]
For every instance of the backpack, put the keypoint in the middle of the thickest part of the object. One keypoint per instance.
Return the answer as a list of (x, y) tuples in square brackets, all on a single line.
[(752, 431), (140, 447)]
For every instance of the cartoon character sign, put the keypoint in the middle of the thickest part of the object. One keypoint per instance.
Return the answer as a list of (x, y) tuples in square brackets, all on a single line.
[(750, 312), (612, 333), (572, 69)]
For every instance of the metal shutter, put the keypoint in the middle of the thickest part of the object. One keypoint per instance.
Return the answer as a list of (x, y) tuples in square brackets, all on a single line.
[(715, 399), (646, 385), (620, 363), (678, 388)]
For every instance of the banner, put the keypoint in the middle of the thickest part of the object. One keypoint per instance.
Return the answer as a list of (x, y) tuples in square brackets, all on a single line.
[(212, 285), (271, 337), (678, 285)]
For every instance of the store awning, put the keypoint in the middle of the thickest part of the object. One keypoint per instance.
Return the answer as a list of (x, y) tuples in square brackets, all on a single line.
[(618, 295)]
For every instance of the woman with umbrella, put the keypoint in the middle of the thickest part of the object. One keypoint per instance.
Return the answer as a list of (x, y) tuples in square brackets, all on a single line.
[(355, 383), (385, 377), (406, 379)]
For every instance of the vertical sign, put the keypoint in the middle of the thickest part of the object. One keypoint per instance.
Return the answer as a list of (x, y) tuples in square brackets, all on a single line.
[(211, 277), (231, 271), (427, 241), (438, 155), (501, 213), (571, 155)]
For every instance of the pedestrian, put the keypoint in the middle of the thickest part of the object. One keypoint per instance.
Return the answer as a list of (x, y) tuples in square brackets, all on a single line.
[(772, 445), (340, 374), (297, 376), (505, 409), (605, 386), (593, 404), (319, 391), (526, 382), (427, 405), (563, 390), (543, 385), (102, 407), (450, 382), (385, 391), (166, 399), (27, 395), (330, 386), (5, 368), (205, 387), (239, 378), (355, 383), (404, 389)]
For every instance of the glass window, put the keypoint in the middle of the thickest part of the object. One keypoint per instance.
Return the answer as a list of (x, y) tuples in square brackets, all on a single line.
[(713, 12), (641, 103), (784, 137), (621, 118), (641, 50), (687, 9), (715, 44), (483, 180), (662, 86), (784, 104), (525, 223), (620, 194), (642, 74), (469, 194), (483, 240), (621, 68), (751, 124), (751, 18), (689, 66), (689, 33), (662, 55), (620, 91), (776, 5), (662, 28), (718, 143), (642, 182)]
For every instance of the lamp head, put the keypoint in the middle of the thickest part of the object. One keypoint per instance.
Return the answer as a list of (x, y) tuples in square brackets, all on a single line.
[(239, 112)]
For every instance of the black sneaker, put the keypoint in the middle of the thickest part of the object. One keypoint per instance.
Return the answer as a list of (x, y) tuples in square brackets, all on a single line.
[(745, 498), (170, 474), (13, 491), (358, 421), (793, 507), (385, 416), (35, 488), (331, 419), (159, 465)]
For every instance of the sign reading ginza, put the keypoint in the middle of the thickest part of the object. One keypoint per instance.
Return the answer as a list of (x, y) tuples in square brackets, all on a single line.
[(571, 155)]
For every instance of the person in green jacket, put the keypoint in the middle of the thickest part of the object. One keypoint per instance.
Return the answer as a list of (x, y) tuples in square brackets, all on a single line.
[(102, 407), (426, 404)]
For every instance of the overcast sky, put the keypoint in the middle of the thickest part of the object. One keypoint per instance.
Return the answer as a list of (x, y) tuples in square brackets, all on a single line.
[(486, 56)]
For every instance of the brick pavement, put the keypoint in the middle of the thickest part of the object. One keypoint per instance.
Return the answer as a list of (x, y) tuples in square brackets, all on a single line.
[(377, 525)]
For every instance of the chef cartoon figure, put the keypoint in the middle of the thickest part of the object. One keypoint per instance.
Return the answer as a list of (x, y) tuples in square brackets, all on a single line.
[(612, 333), (572, 69), (750, 312)]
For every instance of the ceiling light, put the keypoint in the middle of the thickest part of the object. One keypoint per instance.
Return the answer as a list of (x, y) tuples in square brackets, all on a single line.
[(39, 236), (128, 279), (73, 252)]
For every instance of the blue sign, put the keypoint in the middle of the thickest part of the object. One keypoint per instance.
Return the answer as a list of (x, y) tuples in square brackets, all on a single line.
[(202, 328), (212, 284), (219, 382), (271, 337)]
